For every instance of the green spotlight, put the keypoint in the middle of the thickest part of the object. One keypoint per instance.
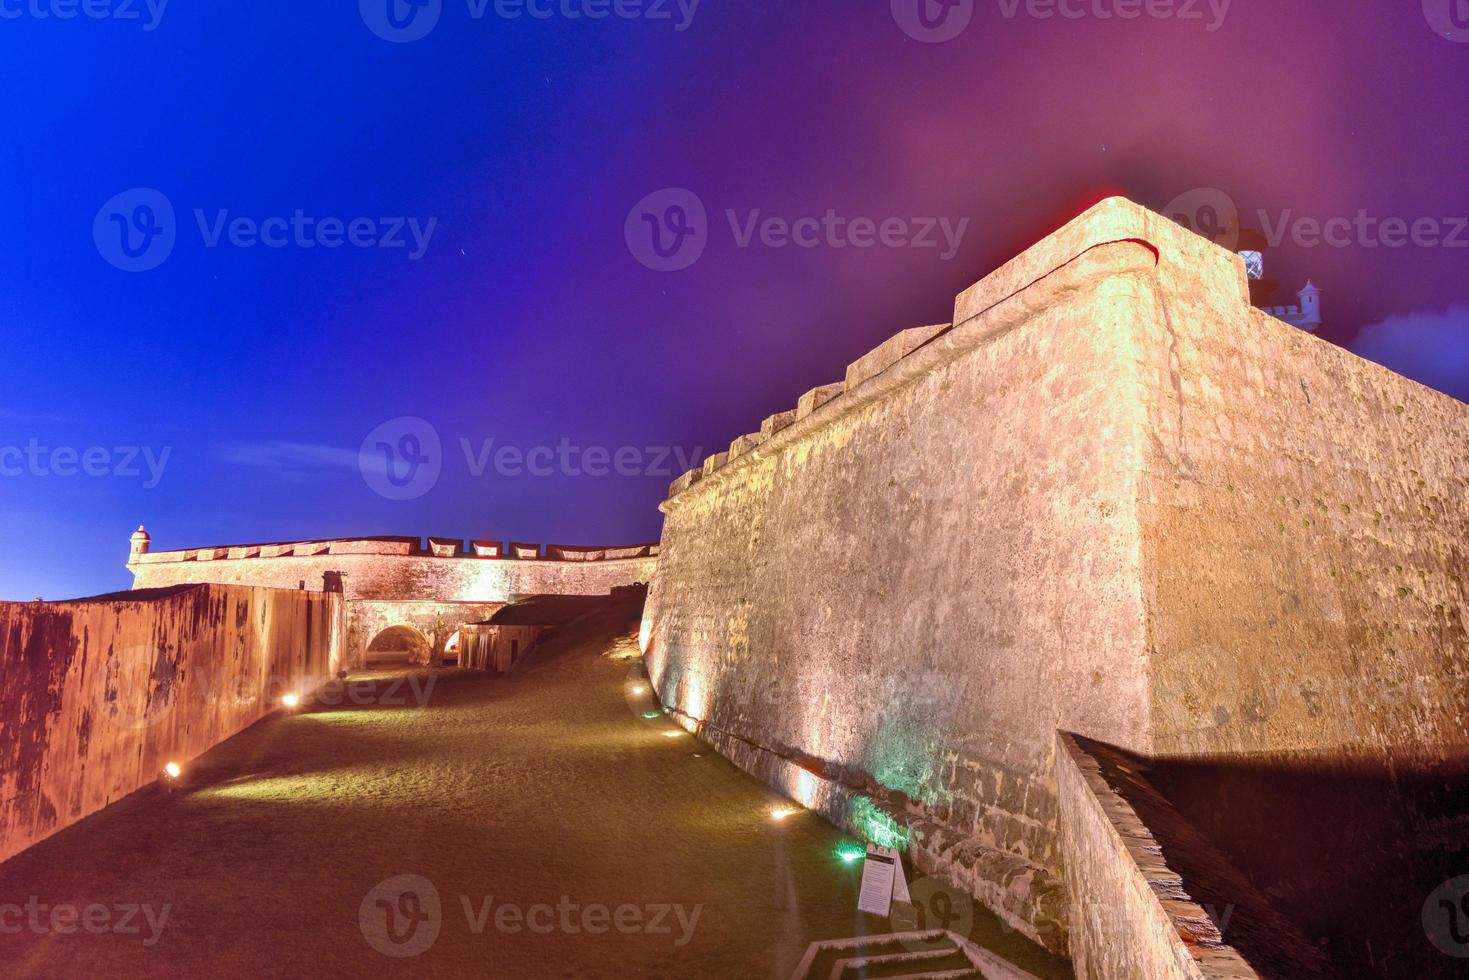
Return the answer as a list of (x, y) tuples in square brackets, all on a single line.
[(652, 714), (850, 853)]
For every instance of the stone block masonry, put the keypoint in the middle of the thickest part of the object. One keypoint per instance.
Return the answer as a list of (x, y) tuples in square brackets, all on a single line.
[(391, 582), (97, 695), (1111, 499)]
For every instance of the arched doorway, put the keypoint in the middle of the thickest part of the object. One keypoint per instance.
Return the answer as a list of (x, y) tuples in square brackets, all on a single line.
[(398, 646), (452, 648)]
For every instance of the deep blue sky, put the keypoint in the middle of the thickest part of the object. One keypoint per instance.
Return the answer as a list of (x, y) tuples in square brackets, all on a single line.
[(528, 319)]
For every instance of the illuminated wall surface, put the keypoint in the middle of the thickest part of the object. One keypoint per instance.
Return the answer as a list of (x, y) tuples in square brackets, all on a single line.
[(1112, 499), (389, 582), (99, 695)]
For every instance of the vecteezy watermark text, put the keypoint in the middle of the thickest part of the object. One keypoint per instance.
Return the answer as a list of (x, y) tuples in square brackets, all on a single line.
[(1214, 12), (404, 21), (668, 230), (403, 916), (937, 21), (148, 13), (65, 918), (137, 230), (1214, 214), (125, 462), (403, 458), (569, 459)]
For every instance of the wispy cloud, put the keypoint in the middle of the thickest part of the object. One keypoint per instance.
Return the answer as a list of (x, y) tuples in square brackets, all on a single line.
[(1431, 347), (296, 460)]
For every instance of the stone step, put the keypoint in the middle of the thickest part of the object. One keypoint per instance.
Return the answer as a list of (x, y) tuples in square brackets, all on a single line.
[(946, 960), (929, 955)]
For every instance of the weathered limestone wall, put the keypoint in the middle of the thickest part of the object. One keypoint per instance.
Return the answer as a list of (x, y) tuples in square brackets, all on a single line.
[(1305, 519), (1112, 499), (97, 695), (911, 587)]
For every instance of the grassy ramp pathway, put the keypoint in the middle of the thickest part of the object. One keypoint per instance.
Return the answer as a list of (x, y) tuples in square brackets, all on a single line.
[(446, 824)]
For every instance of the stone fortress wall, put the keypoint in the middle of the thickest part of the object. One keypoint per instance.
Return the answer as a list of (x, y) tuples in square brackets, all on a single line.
[(1110, 499), (398, 581), (99, 694)]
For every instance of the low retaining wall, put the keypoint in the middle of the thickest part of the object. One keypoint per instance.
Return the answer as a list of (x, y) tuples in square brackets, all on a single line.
[(96, 695), (1130, 914), (1151, 897)]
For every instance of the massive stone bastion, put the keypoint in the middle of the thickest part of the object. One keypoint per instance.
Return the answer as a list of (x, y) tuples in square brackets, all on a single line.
[(1110, 499)]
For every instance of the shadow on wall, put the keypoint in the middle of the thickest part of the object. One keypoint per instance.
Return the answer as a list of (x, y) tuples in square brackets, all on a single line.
[(1368, 860)]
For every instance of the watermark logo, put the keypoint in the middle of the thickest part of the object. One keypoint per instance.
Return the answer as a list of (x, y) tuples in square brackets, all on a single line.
[(570, 459), (41, 919), (1215, 11), (401, 917), (1207, 211), (402, 458), (1448, 18), (126, 462), (1212, 213), (933, 21), (148, 13), (136, 229), (934, 905), (401, 21), (1446, 917), (679, 12), (668, 230)]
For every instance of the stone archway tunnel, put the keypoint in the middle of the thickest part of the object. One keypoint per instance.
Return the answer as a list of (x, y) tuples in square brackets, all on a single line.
[(407, 630)]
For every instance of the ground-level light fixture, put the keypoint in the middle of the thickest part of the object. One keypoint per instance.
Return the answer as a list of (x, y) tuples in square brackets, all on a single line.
[(672, 734), (850, 853), (173, 770), (291, 700), (652, 714), (780, 813)]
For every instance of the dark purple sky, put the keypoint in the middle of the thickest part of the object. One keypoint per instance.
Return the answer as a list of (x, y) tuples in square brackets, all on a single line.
[(520, 146)]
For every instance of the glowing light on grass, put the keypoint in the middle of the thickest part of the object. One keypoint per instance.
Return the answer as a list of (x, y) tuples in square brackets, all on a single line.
[(640, 689), (291, 700), (672, 734), (173, 770), (781, 813), (652, 714), (850, 853)]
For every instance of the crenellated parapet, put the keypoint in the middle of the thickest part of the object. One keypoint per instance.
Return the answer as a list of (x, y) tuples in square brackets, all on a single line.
[(401, 568), (386, 546), (866, 378)]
